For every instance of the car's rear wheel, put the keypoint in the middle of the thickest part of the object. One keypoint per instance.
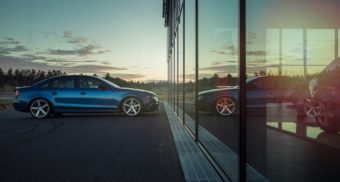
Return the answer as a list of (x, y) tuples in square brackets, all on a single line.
[(131, 106), (225, 106), (40, 108)]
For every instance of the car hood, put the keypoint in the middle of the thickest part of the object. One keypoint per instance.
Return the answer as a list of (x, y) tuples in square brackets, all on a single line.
[(229, 89), (137, 90)]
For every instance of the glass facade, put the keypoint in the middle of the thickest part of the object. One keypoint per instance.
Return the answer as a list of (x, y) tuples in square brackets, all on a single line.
[(289, 56)]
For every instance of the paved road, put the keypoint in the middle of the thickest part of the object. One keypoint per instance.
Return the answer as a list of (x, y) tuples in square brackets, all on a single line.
[(90, 147)]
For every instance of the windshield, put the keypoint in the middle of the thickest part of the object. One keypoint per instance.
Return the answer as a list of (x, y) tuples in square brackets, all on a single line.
[(251, 79)]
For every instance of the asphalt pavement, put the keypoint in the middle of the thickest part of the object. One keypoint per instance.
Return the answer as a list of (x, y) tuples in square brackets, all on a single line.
[(87, 147)]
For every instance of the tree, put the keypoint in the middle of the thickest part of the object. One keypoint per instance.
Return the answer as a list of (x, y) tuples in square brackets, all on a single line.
[(10, 77), (2, 77)]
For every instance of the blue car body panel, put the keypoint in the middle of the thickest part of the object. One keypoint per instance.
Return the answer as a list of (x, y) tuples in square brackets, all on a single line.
[(78, 99)]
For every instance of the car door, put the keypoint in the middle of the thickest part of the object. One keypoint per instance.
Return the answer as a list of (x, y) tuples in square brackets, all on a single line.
[(63, 93), (96, 95)]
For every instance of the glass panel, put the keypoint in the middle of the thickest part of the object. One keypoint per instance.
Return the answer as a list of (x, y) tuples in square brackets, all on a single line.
[(190, 64), (63, 82), (292, 90), (175, 74), (218, 78), (180, 69), (320, 49)]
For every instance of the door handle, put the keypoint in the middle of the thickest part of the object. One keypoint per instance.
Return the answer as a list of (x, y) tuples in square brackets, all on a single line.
[(82, 93), (54, 93)]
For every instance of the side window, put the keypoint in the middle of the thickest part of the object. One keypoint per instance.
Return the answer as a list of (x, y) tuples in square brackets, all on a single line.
[(87, 82), (45, 85), (63, 82)]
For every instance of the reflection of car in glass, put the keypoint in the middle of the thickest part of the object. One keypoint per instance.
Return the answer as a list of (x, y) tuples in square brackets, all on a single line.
[(260, 91), (324, 91), (72, 94)]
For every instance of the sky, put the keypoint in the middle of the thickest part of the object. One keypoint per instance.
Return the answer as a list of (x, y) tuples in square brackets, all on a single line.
[(125, 38)]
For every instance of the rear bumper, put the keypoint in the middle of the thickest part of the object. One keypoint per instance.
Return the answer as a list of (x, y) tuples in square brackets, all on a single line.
[(20, 105)]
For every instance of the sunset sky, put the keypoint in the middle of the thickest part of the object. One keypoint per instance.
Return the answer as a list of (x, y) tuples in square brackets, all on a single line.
[(125, 38)]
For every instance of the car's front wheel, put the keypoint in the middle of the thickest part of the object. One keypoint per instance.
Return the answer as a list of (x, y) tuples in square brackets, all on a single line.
[(225, 106), (40, 108), (131, 106), (328, 119), (312, 108)]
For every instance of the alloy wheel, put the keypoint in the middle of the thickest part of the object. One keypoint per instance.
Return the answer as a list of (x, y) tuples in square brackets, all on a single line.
[(131, 106), (312, 108), (40, 108), (225, 106)]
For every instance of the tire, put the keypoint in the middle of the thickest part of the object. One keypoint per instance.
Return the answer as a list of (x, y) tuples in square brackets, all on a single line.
[(328, 120), (131, 106), (225, 106), (40, 108)]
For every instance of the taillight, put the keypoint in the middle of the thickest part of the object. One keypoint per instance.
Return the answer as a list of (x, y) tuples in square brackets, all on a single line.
[(16, 93)]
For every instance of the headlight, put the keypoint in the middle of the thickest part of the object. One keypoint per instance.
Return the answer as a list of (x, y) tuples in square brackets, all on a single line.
[(155, 98)]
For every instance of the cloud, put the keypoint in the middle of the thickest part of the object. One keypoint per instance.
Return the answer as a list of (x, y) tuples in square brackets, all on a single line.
[(9, 50), (9, 45), (219, 68), (49, 34), (31, 62), (83, 45), (90, 49), (256, 53), (229, 49), (71, 38), (216, 63), (9, 41), (106, 63), (128, 76), (219, 52)]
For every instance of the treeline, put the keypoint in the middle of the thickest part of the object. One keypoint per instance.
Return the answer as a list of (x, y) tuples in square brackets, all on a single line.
[(24, 77), (136, 84)]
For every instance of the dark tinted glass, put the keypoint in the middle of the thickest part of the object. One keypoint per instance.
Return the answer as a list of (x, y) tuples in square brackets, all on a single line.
[(62, 82), (88, 82)]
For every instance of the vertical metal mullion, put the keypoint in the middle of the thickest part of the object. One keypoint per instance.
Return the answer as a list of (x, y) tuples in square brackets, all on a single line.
[(336, 43), (196, 69), (168, 79), (183, 109), (174, 76), (280, 52), (242, 92), (177, 87), (304, 52)]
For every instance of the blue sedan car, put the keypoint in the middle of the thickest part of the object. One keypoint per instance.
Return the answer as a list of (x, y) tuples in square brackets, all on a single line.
[(82, 94), (259, 92)]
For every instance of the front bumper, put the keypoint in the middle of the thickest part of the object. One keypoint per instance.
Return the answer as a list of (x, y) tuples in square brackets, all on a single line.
[(152, 104)]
